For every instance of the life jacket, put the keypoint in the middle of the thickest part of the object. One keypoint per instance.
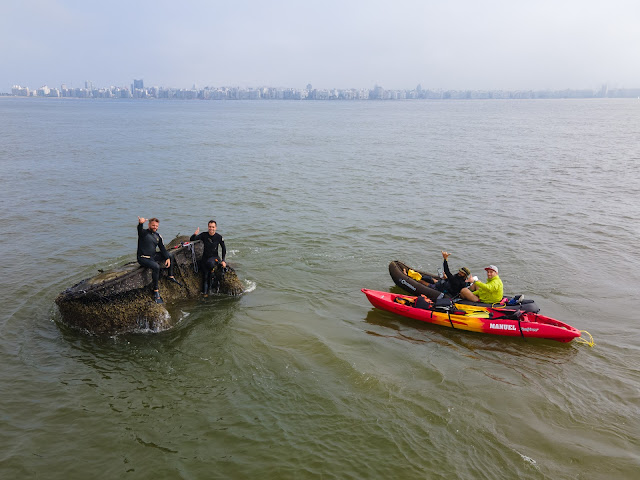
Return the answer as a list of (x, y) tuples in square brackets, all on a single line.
[(423, 303), (405, 301), (413, 274)]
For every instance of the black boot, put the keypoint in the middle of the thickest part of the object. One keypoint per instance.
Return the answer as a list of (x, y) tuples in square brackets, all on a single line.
[(157, 297)]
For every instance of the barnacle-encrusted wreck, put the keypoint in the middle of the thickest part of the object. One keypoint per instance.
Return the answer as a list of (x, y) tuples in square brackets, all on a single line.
[(120, 300)]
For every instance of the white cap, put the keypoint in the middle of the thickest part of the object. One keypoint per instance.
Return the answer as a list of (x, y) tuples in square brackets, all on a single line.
[(492, 267)]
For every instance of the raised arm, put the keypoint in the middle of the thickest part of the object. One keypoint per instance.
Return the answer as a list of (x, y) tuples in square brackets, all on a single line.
[(445, 264), (141, 221)]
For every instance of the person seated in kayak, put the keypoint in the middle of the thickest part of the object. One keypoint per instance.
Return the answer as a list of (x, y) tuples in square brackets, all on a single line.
[(490, 292), (149, 240), (451, 284), (210, 259)]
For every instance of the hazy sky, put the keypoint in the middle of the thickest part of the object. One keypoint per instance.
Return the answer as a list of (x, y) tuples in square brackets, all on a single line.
[(448, 44)]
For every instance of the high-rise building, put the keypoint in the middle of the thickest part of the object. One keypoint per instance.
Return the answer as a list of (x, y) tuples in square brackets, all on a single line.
[(138, 84)]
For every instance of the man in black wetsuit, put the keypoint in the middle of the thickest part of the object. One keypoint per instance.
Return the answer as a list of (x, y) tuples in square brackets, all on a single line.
[(452, 284), (148, 241), (210, 257)]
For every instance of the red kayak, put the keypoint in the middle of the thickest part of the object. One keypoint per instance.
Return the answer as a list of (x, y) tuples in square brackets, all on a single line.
[(489, 320)]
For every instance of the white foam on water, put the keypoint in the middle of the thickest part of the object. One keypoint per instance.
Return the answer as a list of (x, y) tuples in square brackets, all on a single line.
[(528, 460), (250, 285)]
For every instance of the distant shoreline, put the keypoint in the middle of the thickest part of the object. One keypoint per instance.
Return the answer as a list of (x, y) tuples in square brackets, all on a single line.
[(610, 97), (309, 93)]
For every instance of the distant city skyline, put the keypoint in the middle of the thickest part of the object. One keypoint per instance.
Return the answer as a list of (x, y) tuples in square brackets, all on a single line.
[(139, 91), (454, 45)]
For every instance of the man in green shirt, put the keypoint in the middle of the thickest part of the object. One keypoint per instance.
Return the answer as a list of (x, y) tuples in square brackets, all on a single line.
[(490, 292)]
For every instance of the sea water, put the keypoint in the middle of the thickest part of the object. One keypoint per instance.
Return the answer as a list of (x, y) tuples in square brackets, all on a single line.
[(301, 377)]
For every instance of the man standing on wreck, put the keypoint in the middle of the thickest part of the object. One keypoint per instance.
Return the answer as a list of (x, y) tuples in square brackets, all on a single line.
[(148, 241), (210, 257)]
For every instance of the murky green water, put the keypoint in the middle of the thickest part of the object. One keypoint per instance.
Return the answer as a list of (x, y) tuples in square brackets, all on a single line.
[(300, 377)]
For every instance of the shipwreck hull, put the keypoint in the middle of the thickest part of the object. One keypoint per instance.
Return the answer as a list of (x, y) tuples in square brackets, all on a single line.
[(120, 300)]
